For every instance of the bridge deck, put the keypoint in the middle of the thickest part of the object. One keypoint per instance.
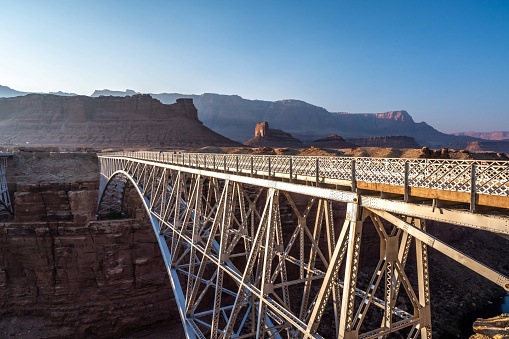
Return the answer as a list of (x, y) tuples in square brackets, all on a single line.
[(471, 182)]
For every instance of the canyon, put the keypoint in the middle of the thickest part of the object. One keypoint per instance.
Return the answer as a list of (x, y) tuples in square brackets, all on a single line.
[(64, 272)]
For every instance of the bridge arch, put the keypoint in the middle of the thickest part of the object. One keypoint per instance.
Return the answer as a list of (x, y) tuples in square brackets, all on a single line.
[(111, 199)]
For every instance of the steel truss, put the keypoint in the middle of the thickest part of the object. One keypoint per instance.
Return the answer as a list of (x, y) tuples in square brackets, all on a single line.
[(5, 201), (257, 258)]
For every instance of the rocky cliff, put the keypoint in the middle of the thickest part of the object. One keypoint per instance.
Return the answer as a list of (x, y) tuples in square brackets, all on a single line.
[(138, 120), (62, 273), (268, 137)]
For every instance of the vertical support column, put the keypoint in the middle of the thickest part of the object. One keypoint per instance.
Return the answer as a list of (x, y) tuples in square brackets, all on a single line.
[(354, 180), (423, 283), (291, 169), (317, 169), (266, 286), (473, 179), (407, 183), (223, 256), (346, 329)]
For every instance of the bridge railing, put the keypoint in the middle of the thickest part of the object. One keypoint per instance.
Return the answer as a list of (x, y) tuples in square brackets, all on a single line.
[(472, 176)]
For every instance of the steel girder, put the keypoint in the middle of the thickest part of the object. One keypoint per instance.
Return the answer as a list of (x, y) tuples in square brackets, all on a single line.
[(252, 258)]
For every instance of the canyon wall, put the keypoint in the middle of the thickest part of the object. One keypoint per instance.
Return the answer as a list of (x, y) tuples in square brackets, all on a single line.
[(62, 272)]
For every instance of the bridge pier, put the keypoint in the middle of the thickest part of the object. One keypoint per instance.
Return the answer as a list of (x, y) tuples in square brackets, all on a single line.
[(251, 257)]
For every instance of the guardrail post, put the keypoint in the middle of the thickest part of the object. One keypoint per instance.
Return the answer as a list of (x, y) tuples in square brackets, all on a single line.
[(354, 179), (291, 169), (407, 189), (214, 161), (252, 166), (473, 179), (317, 170), (269, 165), (205, 160), (237, 163), (224, 163)]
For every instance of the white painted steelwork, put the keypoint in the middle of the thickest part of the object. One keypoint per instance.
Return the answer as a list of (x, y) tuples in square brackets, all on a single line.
[(5, 200), (252, 249)]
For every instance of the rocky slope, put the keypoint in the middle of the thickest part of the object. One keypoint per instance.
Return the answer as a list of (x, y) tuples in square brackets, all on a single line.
[(139, 120)]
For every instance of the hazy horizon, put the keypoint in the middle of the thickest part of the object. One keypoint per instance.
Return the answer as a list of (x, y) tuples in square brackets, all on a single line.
[(443, 62)]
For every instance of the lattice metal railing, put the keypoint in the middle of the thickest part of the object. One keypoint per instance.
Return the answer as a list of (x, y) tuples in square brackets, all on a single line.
[(473, 176)]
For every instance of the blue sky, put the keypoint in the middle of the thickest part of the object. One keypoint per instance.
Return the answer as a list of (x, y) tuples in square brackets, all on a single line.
[(445, 62)]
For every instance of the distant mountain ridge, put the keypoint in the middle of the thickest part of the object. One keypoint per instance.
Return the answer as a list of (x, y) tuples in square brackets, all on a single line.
[(7, 92), (235, 117), (497, 135)]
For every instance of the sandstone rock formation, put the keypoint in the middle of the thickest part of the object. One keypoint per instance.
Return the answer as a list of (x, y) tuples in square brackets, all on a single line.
[(386, 141), (496, 327), (138, 120), (332, 141), (267, 137)]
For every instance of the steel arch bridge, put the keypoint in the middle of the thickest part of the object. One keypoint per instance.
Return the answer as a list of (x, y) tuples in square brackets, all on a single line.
[(253, 246)]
